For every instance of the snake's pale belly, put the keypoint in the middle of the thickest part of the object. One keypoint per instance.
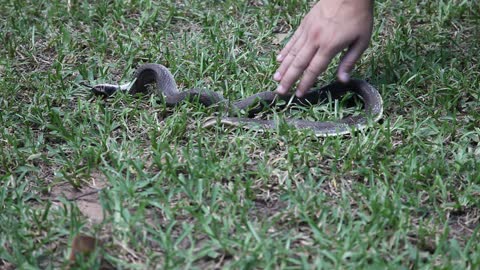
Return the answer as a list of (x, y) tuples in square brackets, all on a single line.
[(164, 85)]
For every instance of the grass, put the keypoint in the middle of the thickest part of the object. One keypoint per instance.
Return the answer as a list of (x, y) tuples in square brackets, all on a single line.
[(402, 194)]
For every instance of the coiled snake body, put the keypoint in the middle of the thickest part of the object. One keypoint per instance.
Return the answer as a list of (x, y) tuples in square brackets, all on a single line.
[(166, 87)]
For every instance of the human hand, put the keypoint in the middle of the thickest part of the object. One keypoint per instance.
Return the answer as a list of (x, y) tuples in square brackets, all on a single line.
[(330, 27)]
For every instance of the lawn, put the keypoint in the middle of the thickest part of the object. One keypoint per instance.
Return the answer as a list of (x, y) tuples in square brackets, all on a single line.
[(159, 191)]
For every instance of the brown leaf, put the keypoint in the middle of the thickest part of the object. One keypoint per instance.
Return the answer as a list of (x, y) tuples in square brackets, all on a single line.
[(84, 245)]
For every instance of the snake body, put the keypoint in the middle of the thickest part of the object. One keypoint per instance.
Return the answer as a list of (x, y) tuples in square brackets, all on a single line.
[(164, 85)]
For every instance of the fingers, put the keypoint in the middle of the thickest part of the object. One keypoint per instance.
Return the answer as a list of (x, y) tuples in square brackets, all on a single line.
[(296, 36), (311, 62), (293, 66), (294, 49), (318, 65), (349, 59)]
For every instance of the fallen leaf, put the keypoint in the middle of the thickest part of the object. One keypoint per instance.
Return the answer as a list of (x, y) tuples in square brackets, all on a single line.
[(83, 245)]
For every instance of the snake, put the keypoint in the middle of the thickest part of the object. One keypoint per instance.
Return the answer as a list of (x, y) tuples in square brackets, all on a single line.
[(158, 79)]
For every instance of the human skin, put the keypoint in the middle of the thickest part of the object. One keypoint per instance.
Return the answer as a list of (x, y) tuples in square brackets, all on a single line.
[(329, 28)]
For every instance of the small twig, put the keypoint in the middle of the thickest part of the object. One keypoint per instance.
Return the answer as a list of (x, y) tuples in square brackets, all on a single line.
[(85, 195)]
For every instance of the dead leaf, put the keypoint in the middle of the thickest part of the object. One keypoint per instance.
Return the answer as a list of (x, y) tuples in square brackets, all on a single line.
[(83, 245)]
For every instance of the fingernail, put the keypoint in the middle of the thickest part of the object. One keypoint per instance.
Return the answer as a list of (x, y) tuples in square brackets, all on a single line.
[(279, 57), (343, 77), (280, 90), (277, 76), (299, 94)]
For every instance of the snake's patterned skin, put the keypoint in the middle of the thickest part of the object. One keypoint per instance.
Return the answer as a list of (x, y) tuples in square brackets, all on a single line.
[(164, 85)]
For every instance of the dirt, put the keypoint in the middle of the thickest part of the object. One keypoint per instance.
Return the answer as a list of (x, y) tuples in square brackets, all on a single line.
[(86, 198)]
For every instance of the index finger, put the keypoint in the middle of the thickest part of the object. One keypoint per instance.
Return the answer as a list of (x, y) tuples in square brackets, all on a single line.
[(296, 36)]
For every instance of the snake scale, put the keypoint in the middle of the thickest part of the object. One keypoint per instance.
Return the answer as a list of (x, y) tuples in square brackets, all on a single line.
[(164, 85)]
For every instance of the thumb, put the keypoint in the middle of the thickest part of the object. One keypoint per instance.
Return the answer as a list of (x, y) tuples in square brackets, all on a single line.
[(349, 59)]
